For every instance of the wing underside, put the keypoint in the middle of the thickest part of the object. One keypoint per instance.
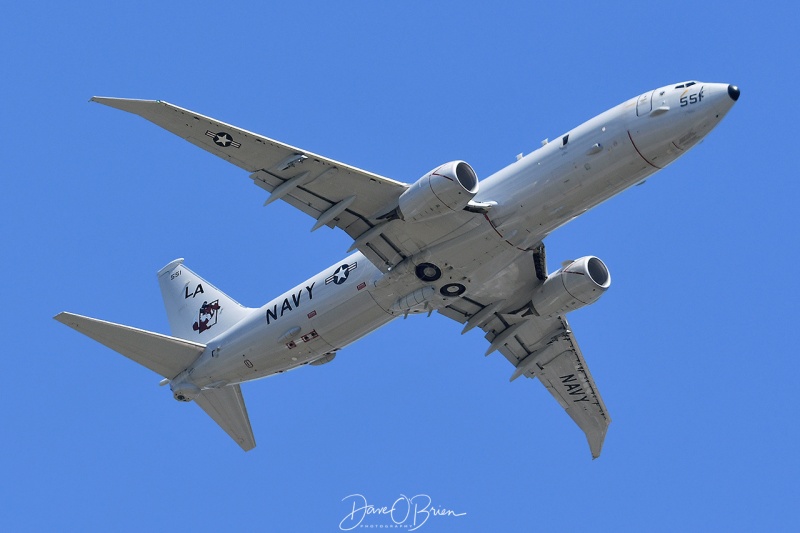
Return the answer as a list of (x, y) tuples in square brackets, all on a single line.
[(335, 194), (544, 349)]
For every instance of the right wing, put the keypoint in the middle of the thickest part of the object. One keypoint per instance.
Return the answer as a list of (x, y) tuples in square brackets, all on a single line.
[(545, 349), (335, 194)]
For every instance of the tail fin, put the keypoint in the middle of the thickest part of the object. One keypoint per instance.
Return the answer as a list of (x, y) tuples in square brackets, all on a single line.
[(197, 310)]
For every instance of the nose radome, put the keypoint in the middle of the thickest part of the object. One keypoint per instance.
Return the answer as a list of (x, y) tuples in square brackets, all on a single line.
[(733, 92)]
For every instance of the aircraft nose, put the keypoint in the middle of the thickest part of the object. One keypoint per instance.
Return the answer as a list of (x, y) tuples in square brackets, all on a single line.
[(733, 92)]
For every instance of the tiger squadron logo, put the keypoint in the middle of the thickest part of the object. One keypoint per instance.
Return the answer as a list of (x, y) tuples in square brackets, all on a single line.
[(223, 139), (207, 316)]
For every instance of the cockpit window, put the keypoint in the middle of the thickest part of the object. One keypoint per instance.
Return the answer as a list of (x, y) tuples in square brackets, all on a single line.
[(687, 85), (681, 86)]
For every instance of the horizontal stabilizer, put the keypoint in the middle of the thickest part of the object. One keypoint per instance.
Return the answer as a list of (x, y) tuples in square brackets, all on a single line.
[(165, 355), (226, 407)]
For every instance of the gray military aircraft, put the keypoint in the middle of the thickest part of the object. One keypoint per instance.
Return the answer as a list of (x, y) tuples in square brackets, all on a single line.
[(473, 252)]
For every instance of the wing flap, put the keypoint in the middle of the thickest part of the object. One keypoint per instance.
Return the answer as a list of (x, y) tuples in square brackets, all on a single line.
[(165, 355), (226, 406)]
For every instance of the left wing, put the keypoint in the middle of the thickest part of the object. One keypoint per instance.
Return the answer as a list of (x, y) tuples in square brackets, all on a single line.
[(333, 193), (546, 349)]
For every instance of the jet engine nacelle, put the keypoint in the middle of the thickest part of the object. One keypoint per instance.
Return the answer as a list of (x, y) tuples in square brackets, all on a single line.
[(581, 282), (443, 190)]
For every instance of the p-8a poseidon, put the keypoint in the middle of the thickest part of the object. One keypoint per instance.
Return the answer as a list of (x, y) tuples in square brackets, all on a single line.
[(473, 253)]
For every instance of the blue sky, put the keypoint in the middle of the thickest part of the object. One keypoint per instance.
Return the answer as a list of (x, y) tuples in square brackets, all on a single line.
[(692, 348)]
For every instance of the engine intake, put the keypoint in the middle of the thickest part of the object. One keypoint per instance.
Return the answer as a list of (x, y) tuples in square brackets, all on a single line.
[(443, 190), (580, 283)]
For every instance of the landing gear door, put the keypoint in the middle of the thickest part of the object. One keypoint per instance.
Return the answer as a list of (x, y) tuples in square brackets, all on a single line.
[(644, 104)]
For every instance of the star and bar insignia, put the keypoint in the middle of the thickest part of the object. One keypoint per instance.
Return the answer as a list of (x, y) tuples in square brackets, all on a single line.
[(223, 139), (341, 274)]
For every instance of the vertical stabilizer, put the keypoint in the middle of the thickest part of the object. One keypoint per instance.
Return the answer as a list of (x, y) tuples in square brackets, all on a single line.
[(197, 310)]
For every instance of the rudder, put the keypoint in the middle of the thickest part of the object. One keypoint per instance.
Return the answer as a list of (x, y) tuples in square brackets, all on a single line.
[(196, 309)]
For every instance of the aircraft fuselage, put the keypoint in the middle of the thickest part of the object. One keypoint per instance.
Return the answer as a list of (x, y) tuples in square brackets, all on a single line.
[(532, 197)]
